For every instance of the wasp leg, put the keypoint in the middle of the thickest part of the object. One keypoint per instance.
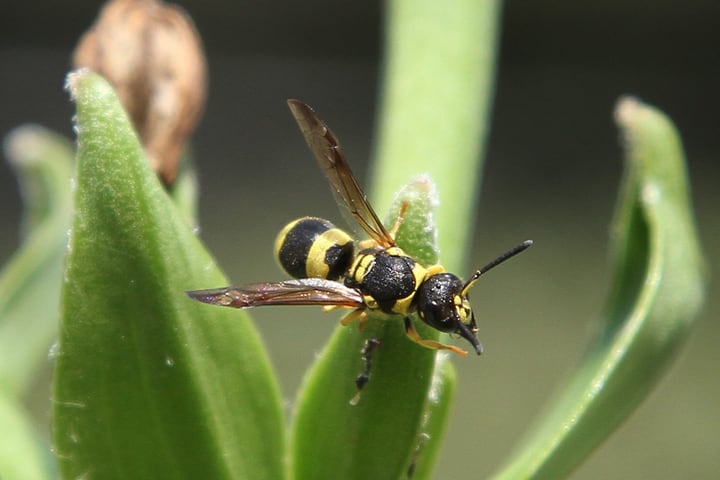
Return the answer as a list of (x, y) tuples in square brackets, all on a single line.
[(362, 321), (415, 337), (350, 317), (367, 243), (355, 314), (399, 220), (366, 355), (434, 270), (370, 243)]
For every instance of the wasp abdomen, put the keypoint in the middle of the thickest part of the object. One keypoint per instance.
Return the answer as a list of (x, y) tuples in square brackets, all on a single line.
[(311, 247)]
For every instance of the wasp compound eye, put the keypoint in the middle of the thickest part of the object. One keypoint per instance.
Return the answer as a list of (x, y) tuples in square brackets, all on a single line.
[(438, 301)]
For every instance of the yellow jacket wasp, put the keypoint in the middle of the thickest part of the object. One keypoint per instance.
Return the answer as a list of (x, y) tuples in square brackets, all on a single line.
[(380, 276)]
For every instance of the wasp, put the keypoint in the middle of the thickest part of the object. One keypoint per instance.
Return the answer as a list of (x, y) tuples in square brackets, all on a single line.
[(379, 276)]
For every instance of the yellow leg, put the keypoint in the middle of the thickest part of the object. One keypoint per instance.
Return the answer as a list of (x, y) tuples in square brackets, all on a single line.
[(352, 316), (367, 243), (434, 270), (401, 216), (415, 337), (362, 321)]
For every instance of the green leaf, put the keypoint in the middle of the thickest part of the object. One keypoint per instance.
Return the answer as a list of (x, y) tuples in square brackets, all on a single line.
[(30, 281), (148, 383), (439, 69), (657, 293), (434, 115), (434, 419), (184, 192), (22, 454), (376, 438)]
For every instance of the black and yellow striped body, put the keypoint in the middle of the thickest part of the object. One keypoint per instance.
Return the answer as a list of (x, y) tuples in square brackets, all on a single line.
[(311, 247), (381, 277), (387, 278)]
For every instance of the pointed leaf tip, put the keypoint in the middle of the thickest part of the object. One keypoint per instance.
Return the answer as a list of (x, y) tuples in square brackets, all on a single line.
[(185, 389), (73, 79), (657, 291)]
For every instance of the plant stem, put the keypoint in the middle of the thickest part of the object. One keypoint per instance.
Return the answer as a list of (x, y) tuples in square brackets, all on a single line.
[(437, 91)]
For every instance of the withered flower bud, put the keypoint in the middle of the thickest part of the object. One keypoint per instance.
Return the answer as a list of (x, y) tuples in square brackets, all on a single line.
[(152, 54)]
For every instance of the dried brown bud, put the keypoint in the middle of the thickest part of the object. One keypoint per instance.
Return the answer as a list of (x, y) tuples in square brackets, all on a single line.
[(153, 56)]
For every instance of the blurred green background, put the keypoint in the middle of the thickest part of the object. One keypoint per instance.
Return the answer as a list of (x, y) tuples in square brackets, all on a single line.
[(552, 174)]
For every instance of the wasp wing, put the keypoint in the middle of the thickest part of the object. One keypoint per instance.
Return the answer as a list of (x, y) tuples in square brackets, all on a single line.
[(307, 291), (328, 153)]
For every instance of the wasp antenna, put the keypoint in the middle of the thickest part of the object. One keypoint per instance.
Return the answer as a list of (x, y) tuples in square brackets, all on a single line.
[(505, 256)]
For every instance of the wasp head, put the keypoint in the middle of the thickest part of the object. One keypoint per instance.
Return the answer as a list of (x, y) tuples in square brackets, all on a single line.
[(442, 303)]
